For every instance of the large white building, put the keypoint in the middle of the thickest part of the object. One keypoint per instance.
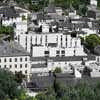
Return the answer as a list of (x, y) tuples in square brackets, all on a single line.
[(48, 50), (51, 50), (14, 58), (66, 44)]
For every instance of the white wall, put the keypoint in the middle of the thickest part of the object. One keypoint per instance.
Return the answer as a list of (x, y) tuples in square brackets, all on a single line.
[(71, 45), (12, 63)]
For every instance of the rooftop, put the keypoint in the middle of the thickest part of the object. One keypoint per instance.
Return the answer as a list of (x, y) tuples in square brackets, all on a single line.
[(11, 49), (8, 12), (65, 58)]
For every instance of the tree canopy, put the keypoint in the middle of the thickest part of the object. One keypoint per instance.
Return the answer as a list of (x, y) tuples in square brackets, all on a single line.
[(82, 91), (8, 85), (92, 41), (98, 3), (57, 70), (10, 89), (7, 30)]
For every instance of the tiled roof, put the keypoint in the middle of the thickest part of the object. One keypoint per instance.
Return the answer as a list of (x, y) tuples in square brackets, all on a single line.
[(65, 58), (8, 12), (11, 49)]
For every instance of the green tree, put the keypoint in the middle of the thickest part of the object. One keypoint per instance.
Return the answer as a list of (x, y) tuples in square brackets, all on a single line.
[(82, 10), (57, 70), (7, 30), (19, 77), (92, 41), (98, 3), (8, 85)]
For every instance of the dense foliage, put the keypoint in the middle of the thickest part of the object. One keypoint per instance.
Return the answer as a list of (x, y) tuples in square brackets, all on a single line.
[(98, 4), (7, 30), (8, 85), (79, 5), (19, 77), (92, 41), (81, 91), (57, 70), (10, 89)]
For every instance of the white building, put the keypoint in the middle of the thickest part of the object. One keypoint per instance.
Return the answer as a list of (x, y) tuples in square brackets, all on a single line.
[(51, 42), (51, 50), (14, 16), (14, 58)]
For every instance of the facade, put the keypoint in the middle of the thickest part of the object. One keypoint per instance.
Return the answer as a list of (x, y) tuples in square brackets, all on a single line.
[(51, 50), (51, 42), (14, 58), (14, 16)]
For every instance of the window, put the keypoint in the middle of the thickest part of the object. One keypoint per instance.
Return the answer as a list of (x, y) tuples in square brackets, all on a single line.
[(15, 59), (98, 59), (25, 65), (63, 52), (21, 59), (15, 66), (10, 60), (10, 66), (5, 66), (0, 66), (5, 60), (20, 65), (66, 38), (74, 34), (61, 37), (25, 71), (46, 52), (25, 59), (0, 60), (57, 52)]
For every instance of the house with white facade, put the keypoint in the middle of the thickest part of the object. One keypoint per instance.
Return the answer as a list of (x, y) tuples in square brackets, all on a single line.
[(14, 58), (14, 16)]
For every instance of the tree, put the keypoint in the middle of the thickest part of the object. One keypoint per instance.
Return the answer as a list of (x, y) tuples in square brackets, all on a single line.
[(8, 85), (82, 10), (92, 41), (98, 3), (57, 70), (7, 30), (19, 77), (44, 96)]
